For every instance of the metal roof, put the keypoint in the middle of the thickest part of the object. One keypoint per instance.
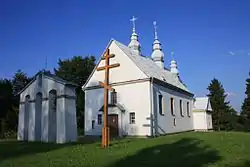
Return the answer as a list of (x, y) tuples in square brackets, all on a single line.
[(148, 66), (202, 103), (118, 105)]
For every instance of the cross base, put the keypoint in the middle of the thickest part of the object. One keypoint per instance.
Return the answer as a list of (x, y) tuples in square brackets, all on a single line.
[(105, 137)]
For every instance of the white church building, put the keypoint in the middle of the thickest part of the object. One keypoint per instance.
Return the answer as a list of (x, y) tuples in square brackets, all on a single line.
[(149, 99)]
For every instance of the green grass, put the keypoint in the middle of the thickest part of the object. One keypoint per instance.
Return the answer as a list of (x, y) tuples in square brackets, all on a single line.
[(193, 149)]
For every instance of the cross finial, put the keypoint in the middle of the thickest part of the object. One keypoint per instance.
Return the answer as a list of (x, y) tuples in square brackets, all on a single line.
[(133, 21), (155, 27), (46, 62), (172, 55)]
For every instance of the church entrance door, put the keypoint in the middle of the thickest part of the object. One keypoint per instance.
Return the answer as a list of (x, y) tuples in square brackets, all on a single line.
[(113, 124)]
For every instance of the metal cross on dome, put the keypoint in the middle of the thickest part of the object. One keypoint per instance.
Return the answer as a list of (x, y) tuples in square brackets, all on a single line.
[(133, 21), (155, 27)]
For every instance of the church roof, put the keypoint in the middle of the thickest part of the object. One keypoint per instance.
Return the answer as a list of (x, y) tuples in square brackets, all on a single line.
[(148, 66), (202, 103), (118, 105)]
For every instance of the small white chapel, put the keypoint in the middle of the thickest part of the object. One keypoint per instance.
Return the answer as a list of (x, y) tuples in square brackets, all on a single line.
[(47, 110), (149, 99)]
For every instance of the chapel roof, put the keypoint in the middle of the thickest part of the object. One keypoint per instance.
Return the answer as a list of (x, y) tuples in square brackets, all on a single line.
[(150, 68), (202, 103), (49, 76)]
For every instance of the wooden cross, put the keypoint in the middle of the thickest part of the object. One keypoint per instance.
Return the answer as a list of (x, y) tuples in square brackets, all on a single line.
[(105, 85)]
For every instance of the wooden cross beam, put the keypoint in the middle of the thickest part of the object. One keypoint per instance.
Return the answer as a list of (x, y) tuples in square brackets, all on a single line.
[(107, 87)]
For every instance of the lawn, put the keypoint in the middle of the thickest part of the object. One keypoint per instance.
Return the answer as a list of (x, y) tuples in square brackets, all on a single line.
[(193, 149)]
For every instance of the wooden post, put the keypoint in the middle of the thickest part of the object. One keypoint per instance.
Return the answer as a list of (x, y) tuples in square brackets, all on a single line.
[(105, 85)]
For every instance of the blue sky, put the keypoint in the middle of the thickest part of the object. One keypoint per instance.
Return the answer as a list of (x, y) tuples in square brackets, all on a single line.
[(210, 38)]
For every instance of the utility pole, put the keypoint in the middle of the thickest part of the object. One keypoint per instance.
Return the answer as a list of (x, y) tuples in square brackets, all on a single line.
[(105, 85)]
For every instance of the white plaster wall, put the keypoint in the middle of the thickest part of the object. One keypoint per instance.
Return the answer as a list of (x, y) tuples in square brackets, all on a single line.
[(32, 118), (70, 91), (200, 120), (44, 88), (47, 85), (93, 102), (45, 121), (70, 119), (21, 122), (61, 120), (209, 120), (134, 97), (164, 124), (118, 74)]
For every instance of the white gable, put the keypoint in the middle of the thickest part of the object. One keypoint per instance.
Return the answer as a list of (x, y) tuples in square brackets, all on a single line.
[(43, 84), (132, 67), (125, 72), (202, 103)]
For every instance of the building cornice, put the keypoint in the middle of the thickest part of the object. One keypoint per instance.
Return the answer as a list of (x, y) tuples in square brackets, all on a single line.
[(118, 83), (153, 80), (170, 86)]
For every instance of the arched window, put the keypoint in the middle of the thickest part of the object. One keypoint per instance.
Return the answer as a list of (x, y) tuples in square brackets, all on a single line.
[(52, 116), (26, 117), (160, 104), (181, 110), (38, 116), (52, 100), (188, 112), (172, 106)]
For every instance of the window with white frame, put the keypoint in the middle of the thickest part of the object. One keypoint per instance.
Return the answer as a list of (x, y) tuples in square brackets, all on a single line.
[(160, 99), (132, 118), (113, 97), (181, 110), (188, 112), (99, 119), (172, 106)]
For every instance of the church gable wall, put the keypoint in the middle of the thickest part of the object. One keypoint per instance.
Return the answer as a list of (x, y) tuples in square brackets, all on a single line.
[(44, 86), (125, 72), (31, 90), (135, 98)]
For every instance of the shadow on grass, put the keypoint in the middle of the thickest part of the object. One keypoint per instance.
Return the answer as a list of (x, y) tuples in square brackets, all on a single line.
[(244, 164), (14, 148), (185, 152)]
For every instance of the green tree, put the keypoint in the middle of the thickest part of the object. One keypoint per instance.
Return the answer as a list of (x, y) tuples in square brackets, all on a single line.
[(77, 70), (245, 109), (6, 102), (20, 80), (5, 97), (224, 116)]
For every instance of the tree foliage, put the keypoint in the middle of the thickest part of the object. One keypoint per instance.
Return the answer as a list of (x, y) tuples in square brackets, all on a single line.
[(245, 109), (9, 100), (224, 116), (5, 97), (77, 70), (20, 80)]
